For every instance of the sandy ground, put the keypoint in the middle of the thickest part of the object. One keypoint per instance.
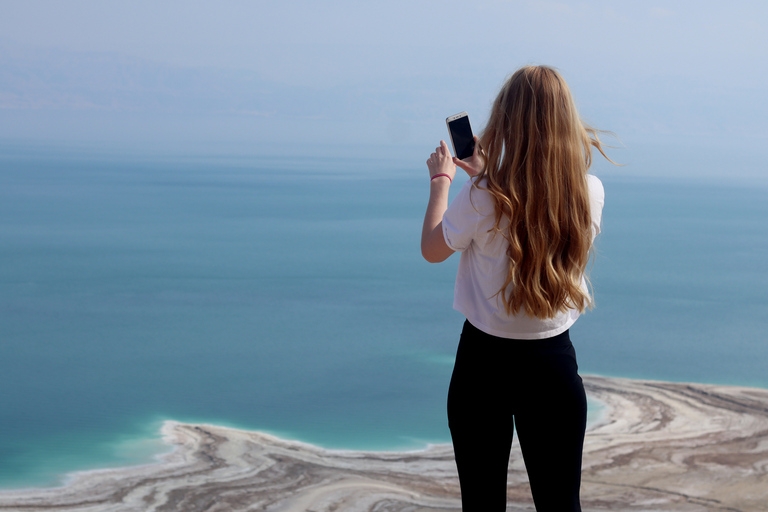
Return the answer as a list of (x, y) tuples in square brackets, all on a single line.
[(659, 446)]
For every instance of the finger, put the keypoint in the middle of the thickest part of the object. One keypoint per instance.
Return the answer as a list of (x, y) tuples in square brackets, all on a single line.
[(444, 147), (462, 164), (478, 147)]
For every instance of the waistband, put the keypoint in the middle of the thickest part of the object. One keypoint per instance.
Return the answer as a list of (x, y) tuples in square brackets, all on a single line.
[(561, 340)]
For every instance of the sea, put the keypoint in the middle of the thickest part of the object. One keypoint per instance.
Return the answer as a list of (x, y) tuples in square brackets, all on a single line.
[(287, 294)]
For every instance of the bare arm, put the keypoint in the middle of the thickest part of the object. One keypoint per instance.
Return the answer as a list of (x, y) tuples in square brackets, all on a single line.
[(433, 246)]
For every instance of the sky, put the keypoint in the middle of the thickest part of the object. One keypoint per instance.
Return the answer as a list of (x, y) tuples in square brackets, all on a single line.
[(311, 76)]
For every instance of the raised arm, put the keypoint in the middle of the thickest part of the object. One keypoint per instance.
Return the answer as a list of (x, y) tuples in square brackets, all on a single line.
[(441, 172)]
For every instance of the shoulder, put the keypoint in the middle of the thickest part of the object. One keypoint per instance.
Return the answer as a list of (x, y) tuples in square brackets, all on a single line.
[(596, 202), (479, 196), (596, 190), (473, 199), (466, 216)]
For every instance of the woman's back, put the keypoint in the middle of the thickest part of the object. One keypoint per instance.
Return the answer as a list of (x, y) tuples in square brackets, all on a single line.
[(537, 153), (468, 227)]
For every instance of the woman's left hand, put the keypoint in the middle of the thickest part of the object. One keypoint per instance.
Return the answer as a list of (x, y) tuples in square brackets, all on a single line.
[(441, 162), (473, 164)]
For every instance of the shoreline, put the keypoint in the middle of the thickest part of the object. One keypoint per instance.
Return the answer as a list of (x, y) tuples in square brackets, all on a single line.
[(658, 446)]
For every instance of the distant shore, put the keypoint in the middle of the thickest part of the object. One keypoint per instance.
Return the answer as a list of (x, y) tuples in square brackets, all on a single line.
[(658, 446)]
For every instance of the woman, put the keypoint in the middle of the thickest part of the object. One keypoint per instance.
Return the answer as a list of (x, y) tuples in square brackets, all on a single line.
[(524, 223)]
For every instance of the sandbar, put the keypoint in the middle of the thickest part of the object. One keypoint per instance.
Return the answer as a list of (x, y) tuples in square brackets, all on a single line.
[(658, 446)]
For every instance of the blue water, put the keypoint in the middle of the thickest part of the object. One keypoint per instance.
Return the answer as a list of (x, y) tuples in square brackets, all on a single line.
[(288, 295)]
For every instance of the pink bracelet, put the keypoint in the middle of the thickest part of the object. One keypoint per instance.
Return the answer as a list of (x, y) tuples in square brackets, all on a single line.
[(441, 174)]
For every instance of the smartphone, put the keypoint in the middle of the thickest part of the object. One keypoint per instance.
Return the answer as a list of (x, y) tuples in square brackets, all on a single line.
[(461, 135)]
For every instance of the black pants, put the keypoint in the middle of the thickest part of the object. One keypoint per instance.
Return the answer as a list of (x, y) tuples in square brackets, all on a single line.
[(535, 384)]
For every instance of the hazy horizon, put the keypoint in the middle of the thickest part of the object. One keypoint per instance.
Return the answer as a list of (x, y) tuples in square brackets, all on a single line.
[(678, 82)]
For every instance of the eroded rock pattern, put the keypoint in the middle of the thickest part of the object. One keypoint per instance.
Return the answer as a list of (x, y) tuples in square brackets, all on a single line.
[(659, 446)]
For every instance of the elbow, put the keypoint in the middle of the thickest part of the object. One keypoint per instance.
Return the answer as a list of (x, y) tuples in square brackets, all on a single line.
[(432, 256), (426, 255), (429, 258), (434, 249)]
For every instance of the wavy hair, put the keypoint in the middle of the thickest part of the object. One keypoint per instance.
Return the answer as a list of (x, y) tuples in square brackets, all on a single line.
[(537, 153)]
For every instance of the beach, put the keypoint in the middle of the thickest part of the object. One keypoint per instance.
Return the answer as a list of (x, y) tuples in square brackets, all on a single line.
[(658, 446)]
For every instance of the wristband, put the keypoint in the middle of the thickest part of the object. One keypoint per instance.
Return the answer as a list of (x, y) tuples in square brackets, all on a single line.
[(441, 174)]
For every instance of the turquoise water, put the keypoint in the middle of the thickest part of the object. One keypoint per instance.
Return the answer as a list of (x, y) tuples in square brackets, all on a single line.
[(288, 295)]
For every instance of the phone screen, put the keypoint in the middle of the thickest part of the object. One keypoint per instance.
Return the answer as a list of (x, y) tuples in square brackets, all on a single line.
[(461, 137)]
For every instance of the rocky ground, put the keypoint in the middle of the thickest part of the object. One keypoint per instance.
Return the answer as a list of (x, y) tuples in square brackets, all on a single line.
[(658, 447)]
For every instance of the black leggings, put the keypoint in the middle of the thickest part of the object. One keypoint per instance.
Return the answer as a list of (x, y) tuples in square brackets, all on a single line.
[(536, 383)]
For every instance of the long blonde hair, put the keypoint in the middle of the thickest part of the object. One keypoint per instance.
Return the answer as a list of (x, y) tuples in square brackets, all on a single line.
[(537, 153)]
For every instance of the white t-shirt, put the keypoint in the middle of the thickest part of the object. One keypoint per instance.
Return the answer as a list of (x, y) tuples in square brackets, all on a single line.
[(467, 228)]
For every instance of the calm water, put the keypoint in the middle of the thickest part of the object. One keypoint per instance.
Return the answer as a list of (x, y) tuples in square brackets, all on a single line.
[(289, 295)]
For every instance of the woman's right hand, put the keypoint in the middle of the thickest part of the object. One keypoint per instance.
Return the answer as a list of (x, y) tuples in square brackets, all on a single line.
[(440, 162), (474, 164)]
